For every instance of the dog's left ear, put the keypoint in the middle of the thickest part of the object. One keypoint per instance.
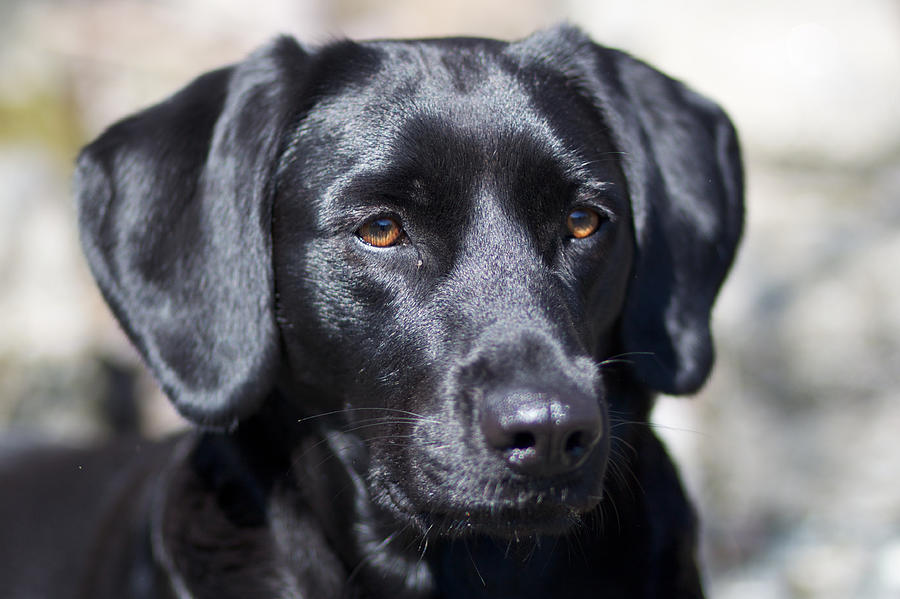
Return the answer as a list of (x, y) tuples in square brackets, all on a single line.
[(680, 156), (175, 211)]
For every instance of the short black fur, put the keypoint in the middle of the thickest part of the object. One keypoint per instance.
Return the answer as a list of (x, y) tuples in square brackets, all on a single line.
[(462, 413)]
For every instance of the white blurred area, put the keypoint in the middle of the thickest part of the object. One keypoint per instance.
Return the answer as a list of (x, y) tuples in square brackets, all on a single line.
[(792, 449)]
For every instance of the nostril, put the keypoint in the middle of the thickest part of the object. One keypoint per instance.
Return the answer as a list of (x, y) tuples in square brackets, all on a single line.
[(538, 433), (523, 440)]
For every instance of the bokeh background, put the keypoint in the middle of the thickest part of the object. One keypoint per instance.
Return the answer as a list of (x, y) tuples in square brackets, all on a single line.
[(793, 449)]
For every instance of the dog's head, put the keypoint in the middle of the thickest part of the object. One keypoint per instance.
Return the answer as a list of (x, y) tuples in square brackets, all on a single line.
[(445, 241)]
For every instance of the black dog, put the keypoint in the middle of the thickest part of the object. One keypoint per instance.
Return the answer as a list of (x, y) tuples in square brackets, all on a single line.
[(418, 295)]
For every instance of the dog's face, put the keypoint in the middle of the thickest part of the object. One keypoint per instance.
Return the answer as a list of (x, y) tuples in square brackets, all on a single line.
[(470, 264), (443, 241)]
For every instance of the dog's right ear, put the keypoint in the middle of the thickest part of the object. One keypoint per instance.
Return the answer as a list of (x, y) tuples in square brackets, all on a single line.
[(175, 212)]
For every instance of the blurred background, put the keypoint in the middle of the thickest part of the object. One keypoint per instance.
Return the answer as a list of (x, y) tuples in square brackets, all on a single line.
[(792, 451)]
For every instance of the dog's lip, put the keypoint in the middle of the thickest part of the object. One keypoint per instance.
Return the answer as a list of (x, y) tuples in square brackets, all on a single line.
[(547, 510), (504, 521)]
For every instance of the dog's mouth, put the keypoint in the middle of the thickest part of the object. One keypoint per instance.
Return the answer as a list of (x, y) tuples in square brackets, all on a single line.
[(505, 511), (506, 522)]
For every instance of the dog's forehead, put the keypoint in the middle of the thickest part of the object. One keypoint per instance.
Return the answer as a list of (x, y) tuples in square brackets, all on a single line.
[(373, 106), (446, 107), (462, 79)]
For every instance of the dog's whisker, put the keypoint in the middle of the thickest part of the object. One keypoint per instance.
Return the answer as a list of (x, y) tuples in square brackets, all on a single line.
[(388, 438), (352, 428), (388, 421), (552, 551), (474, 565), (325, 459), (618, 441), (622, 467), (623, 358), (299, 457), (372, 553), (617, 475), (423, 545), (631, 353), (614, 361), (349, 410), (657, 426), (433, 446), (615, 509)]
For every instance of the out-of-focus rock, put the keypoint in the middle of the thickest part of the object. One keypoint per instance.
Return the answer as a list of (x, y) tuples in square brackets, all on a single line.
[(48, 292), (808, 81)]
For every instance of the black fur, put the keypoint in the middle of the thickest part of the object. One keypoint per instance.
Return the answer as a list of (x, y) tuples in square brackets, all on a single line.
[(462, 414)]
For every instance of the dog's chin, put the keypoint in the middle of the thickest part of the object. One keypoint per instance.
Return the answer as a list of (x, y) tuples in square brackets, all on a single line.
[(550, 513), (505, 523)]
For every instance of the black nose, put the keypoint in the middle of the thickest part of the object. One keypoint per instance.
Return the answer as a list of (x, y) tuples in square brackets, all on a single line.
[(541, 434)]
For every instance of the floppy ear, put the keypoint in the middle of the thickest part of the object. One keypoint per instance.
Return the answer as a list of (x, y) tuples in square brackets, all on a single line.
[(680, 157), (175, 215), (683, 168)]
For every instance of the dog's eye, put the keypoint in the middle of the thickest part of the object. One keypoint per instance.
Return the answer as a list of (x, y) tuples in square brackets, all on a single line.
[(381, 232), (583, 222)]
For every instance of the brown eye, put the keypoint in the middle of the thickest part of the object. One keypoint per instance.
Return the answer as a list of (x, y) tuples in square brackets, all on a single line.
[(583, 222), (381, 232)]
